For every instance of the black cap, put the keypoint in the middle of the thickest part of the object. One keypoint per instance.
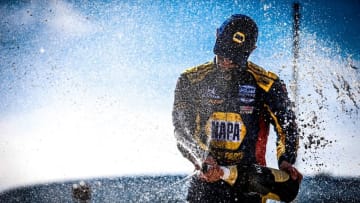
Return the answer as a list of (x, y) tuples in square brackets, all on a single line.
[(236, 38)]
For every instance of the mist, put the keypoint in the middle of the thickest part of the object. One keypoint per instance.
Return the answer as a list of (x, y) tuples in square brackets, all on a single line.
[(87, 87)]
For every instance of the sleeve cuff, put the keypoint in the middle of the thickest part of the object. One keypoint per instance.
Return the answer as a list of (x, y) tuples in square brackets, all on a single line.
[(230, 174), (291, 159)]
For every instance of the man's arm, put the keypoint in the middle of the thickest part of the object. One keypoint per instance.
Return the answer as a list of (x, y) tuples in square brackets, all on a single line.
[(278, 105), (283, 119), (183, 116)]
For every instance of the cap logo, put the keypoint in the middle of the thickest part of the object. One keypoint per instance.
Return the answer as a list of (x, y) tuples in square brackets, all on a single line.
[(239, 37)]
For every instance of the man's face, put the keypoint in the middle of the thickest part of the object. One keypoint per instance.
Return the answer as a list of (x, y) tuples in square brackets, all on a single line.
[(225, 63)]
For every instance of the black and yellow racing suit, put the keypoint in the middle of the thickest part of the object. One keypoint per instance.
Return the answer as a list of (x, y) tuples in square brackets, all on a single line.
[(226, 114)]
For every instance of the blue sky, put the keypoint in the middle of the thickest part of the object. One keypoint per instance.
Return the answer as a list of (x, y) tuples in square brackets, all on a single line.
[(78, 76)]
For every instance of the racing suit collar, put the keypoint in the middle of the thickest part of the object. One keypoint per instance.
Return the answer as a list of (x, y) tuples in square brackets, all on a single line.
[(240, 67)]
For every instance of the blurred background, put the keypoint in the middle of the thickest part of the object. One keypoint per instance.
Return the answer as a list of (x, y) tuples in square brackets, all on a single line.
[(86, 87)]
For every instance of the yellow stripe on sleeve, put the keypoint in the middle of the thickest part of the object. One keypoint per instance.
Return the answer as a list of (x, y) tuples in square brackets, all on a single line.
[(281, 143)]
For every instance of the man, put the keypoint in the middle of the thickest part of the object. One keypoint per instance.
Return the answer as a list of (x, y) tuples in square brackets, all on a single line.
[(221, 114)]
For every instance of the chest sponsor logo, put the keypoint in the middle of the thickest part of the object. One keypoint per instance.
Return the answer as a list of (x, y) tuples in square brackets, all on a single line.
[(246, 109), (213, 96), (225, 130), (212, 93), (247, 93)]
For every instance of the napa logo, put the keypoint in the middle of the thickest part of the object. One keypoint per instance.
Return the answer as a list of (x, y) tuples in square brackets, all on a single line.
[(247, 93), (225, 130), (221, 130)]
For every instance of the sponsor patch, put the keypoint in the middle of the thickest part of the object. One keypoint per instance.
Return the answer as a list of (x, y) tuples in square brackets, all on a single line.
[(247, 93), (246, 109), (213, 96), (225, 130), (212, 93), (229, 156), (216, 101)]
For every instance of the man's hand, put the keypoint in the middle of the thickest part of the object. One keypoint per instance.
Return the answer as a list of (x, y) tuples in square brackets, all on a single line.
[(213, 171), (293, 172)]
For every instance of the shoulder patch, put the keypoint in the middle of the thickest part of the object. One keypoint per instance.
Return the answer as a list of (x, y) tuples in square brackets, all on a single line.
[(198, 73), (265, 79)]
